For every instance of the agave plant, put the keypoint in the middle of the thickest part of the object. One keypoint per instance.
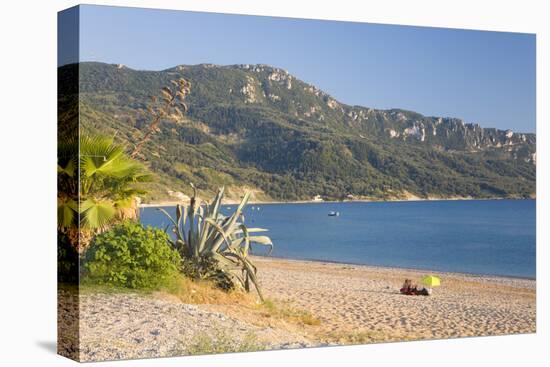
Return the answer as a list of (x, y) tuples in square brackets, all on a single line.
[(204, 234), (97, 186)]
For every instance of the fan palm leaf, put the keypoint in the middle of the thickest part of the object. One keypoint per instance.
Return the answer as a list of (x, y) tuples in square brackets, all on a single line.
[(96, 171), (97, 214), (67, 212)]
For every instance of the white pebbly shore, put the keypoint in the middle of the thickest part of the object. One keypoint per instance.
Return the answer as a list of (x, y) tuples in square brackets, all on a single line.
[(131, 326)]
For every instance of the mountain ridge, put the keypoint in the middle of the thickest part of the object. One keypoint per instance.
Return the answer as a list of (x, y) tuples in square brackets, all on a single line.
[(306, 132)]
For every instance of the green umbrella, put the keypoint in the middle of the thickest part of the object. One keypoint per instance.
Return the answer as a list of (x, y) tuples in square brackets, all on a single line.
[(431, 281)]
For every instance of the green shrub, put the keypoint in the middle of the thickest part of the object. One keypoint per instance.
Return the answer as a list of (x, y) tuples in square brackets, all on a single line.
[(131, 256)]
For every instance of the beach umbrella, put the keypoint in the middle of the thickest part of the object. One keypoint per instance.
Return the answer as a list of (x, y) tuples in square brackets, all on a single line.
[(431, 281)]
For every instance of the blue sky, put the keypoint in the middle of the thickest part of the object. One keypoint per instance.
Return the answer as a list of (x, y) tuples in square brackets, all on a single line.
[(483, 77)]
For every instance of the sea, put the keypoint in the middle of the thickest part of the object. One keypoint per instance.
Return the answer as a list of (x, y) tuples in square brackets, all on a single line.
[(485, 237)]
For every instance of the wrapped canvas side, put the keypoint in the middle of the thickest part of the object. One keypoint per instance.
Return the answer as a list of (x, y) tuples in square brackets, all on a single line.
[(68, 228)]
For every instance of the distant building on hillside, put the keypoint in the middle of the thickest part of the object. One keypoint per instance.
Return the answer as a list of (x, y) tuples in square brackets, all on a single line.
[(317, 198)]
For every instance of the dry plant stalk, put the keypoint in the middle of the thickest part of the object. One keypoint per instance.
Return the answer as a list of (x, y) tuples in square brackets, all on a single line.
[(170, 105)]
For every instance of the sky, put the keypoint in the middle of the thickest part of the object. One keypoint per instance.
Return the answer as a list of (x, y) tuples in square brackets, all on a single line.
[(482, 77)]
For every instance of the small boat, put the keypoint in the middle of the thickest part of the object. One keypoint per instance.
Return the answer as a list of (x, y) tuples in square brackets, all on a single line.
[(333, 214)]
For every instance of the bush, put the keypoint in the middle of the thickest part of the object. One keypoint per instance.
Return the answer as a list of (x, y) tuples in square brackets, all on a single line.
[(131, 256)]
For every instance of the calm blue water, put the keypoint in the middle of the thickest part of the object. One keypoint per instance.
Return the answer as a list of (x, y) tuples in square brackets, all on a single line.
[(481, 237)]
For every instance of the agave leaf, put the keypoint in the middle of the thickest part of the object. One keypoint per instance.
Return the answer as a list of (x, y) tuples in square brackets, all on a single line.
[(184, 221), (250, 272), (262, 240), (176, 228), (168, 216), (217, 202), (228, 263), (234, 276), (205, 234), (246, 240), (191, 233), (235, 244), (200, 212), (180, 216), (179, 213), (219, 229), (231, 221)]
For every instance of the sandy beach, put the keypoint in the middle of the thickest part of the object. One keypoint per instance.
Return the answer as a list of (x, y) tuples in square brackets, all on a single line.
[(353, 304), (355, 299)]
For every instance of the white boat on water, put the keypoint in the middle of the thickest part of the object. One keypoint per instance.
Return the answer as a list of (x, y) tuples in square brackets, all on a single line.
[(333, 214)]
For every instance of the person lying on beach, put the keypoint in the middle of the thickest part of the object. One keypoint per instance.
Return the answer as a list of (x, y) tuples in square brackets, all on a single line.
[(411, 289), (407, 287)]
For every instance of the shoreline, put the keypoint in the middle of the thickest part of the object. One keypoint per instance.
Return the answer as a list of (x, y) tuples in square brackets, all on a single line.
[(170, 203), (530, 274), (396, 268)]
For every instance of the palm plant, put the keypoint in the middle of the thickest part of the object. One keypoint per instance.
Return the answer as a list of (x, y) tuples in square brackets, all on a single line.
[(204, 235), (97, 185)]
